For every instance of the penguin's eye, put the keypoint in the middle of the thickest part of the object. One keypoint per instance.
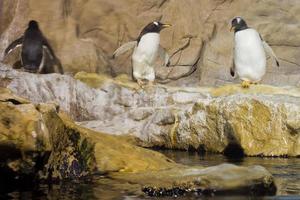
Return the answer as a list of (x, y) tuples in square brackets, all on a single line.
[(156, 23)]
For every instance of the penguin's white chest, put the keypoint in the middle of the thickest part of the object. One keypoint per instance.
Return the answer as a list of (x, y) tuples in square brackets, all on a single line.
[(249, 55), (147, 49)]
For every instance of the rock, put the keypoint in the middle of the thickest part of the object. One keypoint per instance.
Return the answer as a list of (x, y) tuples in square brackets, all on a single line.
[(24, 138), (262, 120), (84, 34), (29, 130), (259, 121), (39, 142), (140, 114), (221, 179), (258, 124), (100, 152)]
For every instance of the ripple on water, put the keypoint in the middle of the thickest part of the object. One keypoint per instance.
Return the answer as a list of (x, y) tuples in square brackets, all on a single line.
[(285, 170)]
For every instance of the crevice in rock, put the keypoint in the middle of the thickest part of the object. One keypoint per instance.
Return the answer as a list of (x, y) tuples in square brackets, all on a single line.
[(234, 150), (285, 60), (201, 59), (292, 130), (201, 150), (66, 8), (214, 9), (162, 3), (190, 72), (4, 82), (13, 101)]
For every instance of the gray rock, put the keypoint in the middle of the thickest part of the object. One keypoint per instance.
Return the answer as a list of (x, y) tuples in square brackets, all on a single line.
[(262, 120)]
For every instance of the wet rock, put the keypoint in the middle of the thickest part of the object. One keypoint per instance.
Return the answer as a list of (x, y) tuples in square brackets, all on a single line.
[(221, 179), (24, 138), (35, 143), (29, 132)]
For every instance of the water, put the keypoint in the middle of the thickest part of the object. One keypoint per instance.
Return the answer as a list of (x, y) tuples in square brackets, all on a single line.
[(285, 170)]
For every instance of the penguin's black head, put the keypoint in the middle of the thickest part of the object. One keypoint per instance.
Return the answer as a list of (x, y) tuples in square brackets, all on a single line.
[(238, 24), (33, 24), (155, 27)]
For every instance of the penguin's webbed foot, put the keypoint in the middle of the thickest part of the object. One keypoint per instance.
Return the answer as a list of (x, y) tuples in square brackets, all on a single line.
[(246, 84)]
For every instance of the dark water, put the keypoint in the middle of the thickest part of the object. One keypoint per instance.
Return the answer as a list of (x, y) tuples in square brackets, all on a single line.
[(285, 170)]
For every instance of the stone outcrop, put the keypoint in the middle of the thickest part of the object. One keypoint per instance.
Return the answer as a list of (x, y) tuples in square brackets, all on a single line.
[(85, 33), (263, 120), (207, 181), (24, 137), (259, 125), (38, 142), (32, 134)]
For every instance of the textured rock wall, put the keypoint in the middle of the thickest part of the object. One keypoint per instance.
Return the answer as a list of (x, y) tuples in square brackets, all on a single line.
[(85, 33)]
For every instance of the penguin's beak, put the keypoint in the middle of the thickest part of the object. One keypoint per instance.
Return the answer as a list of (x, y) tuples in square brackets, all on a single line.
[(166, 25)]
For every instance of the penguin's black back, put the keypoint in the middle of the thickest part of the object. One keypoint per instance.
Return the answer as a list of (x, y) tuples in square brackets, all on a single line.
[(32, 49)]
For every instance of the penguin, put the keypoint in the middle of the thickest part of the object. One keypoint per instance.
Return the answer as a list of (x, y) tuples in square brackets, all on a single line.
[(146, 49), (249, 53), (35, 49)]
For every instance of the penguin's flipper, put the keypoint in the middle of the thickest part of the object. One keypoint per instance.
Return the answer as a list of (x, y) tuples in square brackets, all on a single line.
[(125, 47), (48, 48), (60, 67), (164, 56), (54, 59), (15, 44), (52, 55), (269, 50)]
